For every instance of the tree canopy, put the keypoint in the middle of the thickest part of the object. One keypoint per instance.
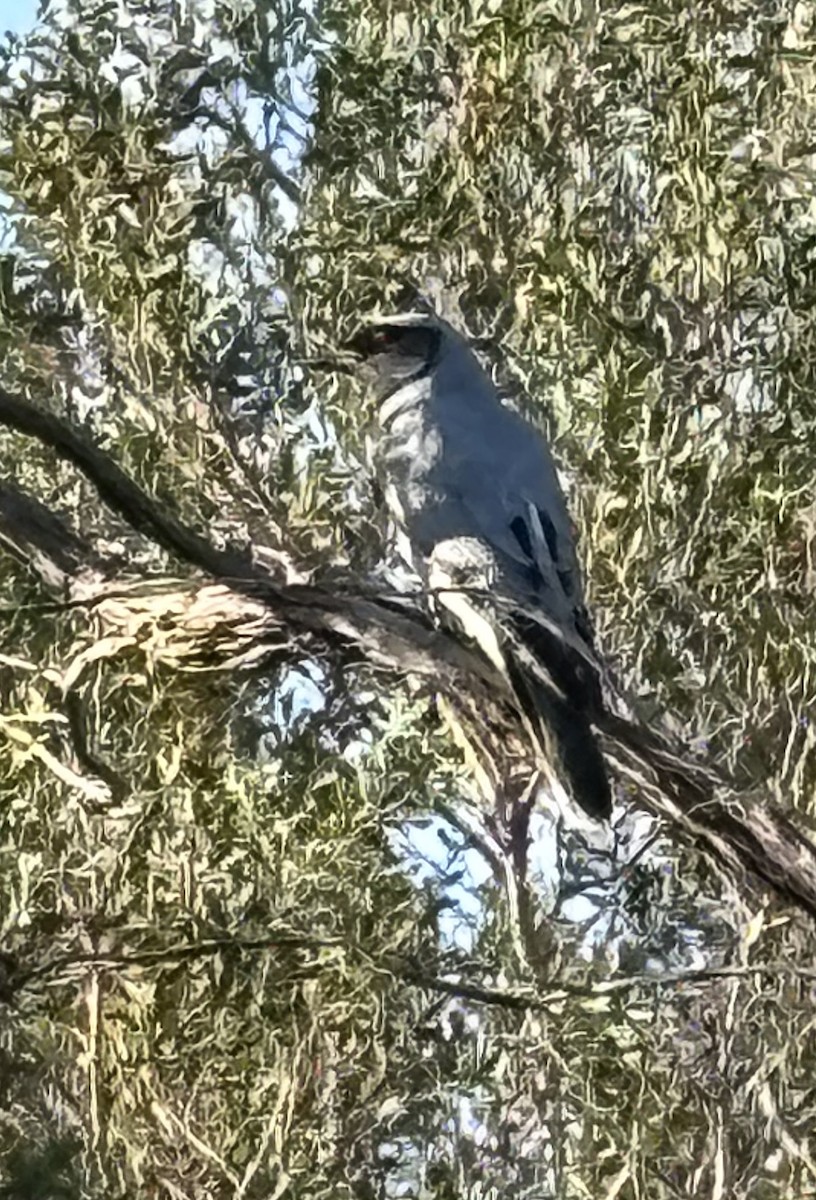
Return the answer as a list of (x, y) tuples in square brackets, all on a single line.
[(270, 924)]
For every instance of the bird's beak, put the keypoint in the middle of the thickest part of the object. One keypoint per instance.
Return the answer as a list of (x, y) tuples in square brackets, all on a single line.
[(345, 357), (343, 362)]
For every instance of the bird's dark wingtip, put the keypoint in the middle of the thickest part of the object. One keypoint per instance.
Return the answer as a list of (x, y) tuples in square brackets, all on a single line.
[(568, 741), (585, 772)]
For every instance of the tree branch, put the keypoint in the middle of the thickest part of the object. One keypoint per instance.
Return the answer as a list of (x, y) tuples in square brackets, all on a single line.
[(43, 541), (740, 831), (16, 977), (398, 637)]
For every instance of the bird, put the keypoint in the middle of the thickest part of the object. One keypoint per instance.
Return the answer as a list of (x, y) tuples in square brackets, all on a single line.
[(473, 490)]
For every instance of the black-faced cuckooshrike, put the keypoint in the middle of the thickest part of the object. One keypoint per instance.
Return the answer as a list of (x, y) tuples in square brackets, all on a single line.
[(473, 487)]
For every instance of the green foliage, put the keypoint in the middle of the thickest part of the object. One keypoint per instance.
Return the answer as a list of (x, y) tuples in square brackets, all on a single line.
[(256, 948)]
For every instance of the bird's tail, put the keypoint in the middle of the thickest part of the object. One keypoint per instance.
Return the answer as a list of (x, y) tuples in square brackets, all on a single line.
[(559, 697)]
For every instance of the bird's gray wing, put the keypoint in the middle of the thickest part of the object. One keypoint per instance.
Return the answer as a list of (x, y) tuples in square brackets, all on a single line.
[(502, 493), (503, 476)]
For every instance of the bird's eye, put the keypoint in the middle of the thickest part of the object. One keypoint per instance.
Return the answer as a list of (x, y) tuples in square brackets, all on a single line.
[(383, 337)]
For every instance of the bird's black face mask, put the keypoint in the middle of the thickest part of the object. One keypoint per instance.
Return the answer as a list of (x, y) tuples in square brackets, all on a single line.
[(394, 354)]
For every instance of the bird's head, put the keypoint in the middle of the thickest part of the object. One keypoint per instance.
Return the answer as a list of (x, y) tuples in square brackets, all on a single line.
[(394, 350)]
